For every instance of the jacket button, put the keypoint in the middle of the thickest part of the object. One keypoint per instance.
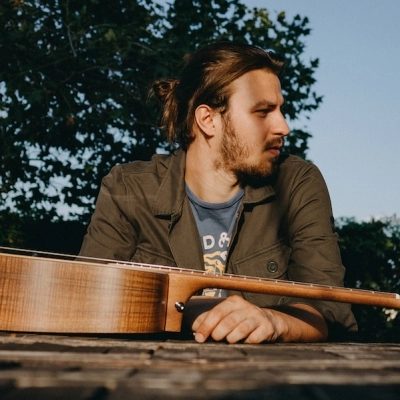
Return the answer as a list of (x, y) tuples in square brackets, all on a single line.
[(272, 266)]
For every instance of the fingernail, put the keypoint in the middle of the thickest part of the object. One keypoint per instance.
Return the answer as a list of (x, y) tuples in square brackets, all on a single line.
[(199, 337)]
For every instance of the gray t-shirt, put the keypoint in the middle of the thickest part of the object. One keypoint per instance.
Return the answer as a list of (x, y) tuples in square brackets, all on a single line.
[(215, 222)]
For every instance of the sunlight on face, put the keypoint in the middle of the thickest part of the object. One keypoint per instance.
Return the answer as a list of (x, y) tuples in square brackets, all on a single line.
[(235, 155), (253, 129)]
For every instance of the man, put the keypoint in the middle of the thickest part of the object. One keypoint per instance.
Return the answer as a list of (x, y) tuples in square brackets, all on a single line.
[(228, 201)]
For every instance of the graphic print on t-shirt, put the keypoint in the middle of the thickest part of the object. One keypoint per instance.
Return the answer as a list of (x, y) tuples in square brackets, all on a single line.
[(214, 263), (215, 224)]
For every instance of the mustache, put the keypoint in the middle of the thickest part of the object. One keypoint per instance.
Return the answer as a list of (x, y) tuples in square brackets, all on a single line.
[(276, 143)]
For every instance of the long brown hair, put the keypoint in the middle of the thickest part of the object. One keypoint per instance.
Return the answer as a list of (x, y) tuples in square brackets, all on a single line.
[(206, 79)]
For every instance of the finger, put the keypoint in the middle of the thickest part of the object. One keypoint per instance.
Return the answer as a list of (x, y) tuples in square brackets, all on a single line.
[(254, 328), (266, 330), (217, 322), (206, 323), (199, 336), (249, 324), (225, 319), (241, 331), (234, 317), (261, 334)]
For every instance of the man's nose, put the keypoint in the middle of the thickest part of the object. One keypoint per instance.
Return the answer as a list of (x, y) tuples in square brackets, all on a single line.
[(281, 127)]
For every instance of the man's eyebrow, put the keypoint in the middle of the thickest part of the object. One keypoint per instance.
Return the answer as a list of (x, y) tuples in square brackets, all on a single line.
[(268, 104)]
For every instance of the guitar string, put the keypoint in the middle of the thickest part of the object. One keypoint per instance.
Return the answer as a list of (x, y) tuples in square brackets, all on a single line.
[(162, 268)]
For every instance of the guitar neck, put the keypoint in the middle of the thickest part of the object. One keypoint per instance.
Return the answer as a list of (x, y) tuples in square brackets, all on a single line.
[(183, 284), (198, 280)]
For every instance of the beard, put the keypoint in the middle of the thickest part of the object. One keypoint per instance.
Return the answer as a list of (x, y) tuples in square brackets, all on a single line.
[(234, 155)]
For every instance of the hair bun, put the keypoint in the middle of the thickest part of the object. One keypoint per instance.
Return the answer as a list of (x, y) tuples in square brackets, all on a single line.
[(163, 88)]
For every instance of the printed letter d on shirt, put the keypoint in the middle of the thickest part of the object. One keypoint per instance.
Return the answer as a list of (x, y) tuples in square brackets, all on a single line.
[(208, 242)]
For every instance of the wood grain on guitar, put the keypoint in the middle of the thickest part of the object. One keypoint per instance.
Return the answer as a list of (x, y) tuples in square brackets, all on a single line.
[(40, 294)]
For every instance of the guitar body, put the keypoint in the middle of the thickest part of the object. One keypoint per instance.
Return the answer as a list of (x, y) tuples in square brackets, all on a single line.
[(46, 295)]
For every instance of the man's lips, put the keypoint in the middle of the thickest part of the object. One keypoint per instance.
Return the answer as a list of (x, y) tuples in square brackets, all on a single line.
[(274, 150), (274, 147)]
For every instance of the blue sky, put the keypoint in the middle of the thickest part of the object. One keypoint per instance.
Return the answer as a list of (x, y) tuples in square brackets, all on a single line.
[(356, 131)]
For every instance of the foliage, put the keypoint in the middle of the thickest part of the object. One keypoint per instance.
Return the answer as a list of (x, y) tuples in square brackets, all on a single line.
[(72, 76), (74, 84), (41, 234), (371, 254), (11, 234)]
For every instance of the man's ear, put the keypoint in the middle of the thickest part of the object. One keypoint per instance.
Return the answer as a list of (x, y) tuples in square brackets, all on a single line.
[(205, 120)]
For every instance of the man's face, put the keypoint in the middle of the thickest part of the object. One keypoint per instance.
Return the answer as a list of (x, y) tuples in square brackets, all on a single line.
[(253, 127)]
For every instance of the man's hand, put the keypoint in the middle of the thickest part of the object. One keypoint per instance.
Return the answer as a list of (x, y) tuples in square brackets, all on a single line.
[(234, 319)]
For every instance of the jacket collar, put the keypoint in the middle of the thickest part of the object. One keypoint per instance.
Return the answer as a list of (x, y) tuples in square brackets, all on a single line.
[(257, 195), (171, 193)]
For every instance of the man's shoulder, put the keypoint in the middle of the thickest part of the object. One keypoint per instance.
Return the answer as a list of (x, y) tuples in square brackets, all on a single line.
[(158, 166), (291, 163), (294, 169), (157, 161)]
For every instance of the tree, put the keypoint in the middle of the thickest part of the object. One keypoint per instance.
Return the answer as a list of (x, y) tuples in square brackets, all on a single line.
[(371, 255), (74, 94), (74, 84), (74, 79)]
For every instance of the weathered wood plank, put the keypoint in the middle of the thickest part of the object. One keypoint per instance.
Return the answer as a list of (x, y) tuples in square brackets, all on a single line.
[(109, 368)]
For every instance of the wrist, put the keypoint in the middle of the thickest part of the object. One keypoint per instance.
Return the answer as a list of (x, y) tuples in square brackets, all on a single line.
[(280, 323), (299, 323)]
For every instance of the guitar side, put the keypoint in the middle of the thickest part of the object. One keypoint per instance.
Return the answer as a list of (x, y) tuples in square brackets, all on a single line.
[(46, 295)]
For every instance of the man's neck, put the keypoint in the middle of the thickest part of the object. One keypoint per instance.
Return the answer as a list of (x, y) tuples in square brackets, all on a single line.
[(206, 181)]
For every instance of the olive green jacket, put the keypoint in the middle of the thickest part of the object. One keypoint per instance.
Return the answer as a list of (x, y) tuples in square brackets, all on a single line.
[(284, 230)]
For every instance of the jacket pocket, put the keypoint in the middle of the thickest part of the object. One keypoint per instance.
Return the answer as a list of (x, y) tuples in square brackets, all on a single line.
[(271, 263)]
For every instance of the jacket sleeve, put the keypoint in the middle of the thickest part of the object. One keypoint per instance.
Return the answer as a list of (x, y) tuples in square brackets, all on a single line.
[(315, 255), (110, 234)]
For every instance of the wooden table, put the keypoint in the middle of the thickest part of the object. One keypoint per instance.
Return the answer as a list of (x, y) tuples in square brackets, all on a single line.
[(59, 367)]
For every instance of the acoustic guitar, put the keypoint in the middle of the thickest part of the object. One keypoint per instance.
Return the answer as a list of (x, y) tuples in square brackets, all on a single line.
[(41, 294)]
